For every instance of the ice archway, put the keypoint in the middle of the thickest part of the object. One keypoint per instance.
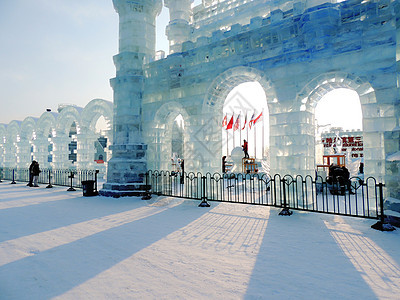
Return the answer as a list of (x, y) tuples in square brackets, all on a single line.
[(213, 110), (159, 143), (374, 116)]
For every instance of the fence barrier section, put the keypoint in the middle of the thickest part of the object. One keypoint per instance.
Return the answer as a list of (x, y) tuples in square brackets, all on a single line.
[(64, 177), (356, 198)]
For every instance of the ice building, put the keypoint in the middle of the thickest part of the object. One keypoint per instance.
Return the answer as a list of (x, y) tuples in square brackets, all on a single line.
[(296, 50)]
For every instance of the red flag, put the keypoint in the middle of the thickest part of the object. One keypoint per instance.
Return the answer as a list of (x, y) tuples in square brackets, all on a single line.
[(256, 119), (224, 121), (251, 120), (230, 124), (245, 121), (236, 127)]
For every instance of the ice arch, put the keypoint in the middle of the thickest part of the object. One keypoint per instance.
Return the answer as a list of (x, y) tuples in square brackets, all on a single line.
[(28, 127), (93, 111), (24, 146), (45, 128), (307, 99), (66, 118), (87, 138), (46, 124), (213, 111), (160, 152)]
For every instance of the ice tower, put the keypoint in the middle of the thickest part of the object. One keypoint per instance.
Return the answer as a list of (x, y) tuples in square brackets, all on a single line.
[(136, 47), (178, 29)]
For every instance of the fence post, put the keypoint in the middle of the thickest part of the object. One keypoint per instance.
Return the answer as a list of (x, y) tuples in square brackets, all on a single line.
[(71, 189), (147, 187), (49, 186), (13, 180), (204, 202), (285, 211), (95, 179), (381, 224)]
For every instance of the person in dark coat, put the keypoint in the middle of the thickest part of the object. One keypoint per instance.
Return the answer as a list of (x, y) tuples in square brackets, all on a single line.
[(183, 171), (35, 172), (245, 149), (223, 164), (31, 173)]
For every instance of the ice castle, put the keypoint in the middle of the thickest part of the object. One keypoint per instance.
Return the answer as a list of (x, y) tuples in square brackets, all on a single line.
[(298, 51)]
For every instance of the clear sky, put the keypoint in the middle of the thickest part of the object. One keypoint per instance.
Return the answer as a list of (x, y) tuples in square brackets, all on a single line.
[(57, 51)]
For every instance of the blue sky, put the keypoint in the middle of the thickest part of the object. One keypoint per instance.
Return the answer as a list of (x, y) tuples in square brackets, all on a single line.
[(57, 51)]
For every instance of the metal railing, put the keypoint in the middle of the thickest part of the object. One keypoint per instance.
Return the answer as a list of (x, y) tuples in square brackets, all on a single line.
[(360, 198), (64, 177)]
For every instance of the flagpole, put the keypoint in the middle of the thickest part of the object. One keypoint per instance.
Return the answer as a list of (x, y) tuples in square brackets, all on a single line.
[(227, 144), (247, 132), (240, 130), (255, 143), (233, 131), (262, 148)]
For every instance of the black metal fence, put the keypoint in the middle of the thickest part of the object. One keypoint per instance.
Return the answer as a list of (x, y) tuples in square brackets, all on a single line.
[(66, 177), (360, 198)]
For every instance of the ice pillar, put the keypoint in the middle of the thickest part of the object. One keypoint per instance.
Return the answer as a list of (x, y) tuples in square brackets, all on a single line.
[(86, 150), (178, 28), (61, 152), (128, 165)]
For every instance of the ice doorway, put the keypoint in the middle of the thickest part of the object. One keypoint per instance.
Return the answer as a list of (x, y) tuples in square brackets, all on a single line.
[(246, 118), (177, 143), (338, 131)]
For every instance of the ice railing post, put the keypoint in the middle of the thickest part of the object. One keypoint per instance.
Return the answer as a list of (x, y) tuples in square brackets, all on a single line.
[(71, 176), (13, 177), (382, 225), (285, 211), (147, 188), (49, 186), (204, 202)]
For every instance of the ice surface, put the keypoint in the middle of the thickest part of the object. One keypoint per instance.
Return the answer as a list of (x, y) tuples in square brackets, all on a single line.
[(167, 248)]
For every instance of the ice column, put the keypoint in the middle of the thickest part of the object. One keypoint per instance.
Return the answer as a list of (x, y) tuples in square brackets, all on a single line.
[(61, 152), (178, 28), (41, 151), (24, 153), (86, 150), (136, 47)]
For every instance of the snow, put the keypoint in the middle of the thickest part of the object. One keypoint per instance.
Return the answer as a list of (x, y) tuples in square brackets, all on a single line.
[(59, 244)]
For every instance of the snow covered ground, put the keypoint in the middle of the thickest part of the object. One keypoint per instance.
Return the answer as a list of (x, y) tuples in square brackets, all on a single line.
[(58, 244)]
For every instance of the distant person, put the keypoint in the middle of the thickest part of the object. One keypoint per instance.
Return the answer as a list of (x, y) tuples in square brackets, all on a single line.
[(35, 172), (361, 168), (31, 173), (223, 164), (183, 171), (245, 149)]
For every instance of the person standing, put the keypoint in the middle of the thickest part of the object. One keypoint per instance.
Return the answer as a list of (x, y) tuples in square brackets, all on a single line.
[(31, 173), (183, 172), (35, 172), (245, 149)]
